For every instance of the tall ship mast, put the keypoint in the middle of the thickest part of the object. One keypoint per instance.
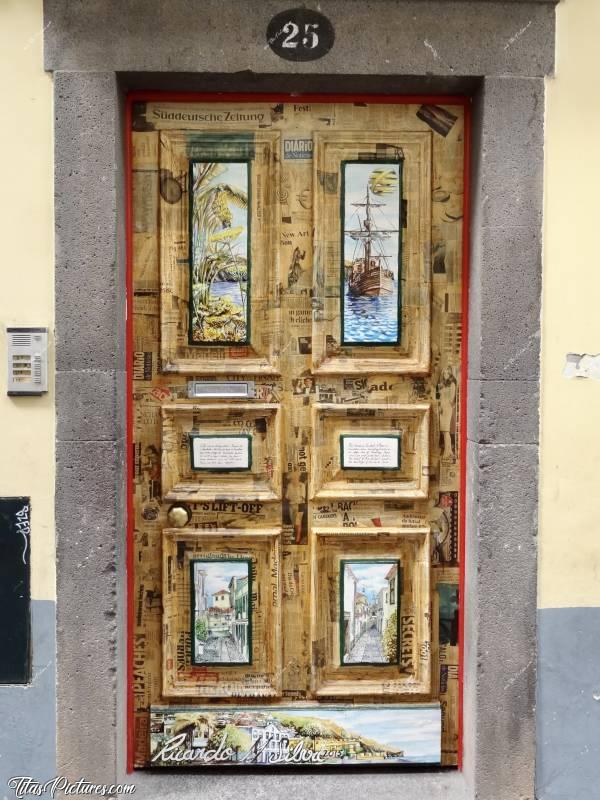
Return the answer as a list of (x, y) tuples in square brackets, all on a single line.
[(369, 273)]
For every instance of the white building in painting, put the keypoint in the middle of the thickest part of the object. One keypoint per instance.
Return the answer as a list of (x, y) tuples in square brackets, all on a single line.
[(201, 599), (390, 601), (350, 590), (219, 621), (379, 609), (270, 740), (362, 614), (238, 588), (222, 599)]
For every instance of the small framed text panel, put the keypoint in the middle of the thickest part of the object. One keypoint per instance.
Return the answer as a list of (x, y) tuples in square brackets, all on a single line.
[(370, 452), (232, 390), (221, 453), (206, 458), (356, 451)]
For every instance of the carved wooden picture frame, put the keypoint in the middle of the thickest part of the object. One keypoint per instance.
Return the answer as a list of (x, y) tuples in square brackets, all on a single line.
[(260, 674), (334, 150), (258, 424), (258, 352), (331, 549)]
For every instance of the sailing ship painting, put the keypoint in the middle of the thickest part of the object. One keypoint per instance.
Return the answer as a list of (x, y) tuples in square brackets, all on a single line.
[(219, 252), (371, 252)]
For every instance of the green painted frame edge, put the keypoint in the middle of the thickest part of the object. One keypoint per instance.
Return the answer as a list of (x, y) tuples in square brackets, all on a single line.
[(192, 623), (400, 163), (196, 160), (247, 436), (371, 436), (342, 563)]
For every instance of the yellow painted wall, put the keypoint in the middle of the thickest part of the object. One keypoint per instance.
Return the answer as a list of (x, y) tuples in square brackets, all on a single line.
[(570, 452), (27, 270)]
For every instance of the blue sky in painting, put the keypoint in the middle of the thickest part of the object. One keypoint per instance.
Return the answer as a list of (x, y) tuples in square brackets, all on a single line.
[(219, 573), (371, 577), (414, 730), (356, 177), (236, 175)]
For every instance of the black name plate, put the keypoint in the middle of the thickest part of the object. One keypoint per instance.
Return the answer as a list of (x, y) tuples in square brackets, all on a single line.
[(15, 638), (300, 34)]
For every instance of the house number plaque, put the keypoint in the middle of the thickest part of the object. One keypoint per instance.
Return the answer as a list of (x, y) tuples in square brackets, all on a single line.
[(300, 34)]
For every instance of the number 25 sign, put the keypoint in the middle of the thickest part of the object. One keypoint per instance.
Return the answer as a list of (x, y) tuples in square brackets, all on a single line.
[(300, 35)]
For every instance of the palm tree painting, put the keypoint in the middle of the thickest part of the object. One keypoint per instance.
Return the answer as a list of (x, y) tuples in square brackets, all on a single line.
[(219, 252)]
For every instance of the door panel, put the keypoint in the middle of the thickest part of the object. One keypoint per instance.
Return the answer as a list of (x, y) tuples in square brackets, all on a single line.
[(256, 670), (297, 304), (334, 153), (182, 217)]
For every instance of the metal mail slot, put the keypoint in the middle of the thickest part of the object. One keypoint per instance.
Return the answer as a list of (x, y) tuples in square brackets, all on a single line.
[(239, 389)]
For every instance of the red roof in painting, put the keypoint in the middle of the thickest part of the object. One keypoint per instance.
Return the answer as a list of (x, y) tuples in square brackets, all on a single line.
[(391, 572)]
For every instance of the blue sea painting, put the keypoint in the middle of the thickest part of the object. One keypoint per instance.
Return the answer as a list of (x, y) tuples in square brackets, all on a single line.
[(313, 736), (371, 252)]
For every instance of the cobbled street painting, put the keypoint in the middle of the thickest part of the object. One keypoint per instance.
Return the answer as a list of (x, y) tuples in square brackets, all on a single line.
[(369, 615), (221, 592)]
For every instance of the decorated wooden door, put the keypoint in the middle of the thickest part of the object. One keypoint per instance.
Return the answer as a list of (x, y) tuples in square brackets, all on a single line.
[(296, 275)]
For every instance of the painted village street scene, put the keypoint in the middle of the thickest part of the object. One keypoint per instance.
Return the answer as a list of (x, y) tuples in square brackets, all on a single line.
[(219, 253), (317, 736), (370, 612), (221, 611)]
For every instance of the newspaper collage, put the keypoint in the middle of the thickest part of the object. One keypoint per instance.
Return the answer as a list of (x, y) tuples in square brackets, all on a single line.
[(308, 515)]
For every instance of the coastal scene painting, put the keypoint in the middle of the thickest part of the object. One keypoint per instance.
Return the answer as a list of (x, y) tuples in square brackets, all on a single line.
[(369, 620), (221, 611), (219, 252), (371, 252), (327, 735)]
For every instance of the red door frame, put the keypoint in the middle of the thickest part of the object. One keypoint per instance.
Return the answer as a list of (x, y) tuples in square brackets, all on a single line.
[(247, 97)]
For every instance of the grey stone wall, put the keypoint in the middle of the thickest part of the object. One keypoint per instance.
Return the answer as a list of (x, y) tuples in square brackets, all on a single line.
[(496, 51), (90, 446)]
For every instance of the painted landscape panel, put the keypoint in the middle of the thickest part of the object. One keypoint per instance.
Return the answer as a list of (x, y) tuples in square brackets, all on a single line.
[(369, 619), (219, 252), (280, 736), (221, 593), (371, 252)]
